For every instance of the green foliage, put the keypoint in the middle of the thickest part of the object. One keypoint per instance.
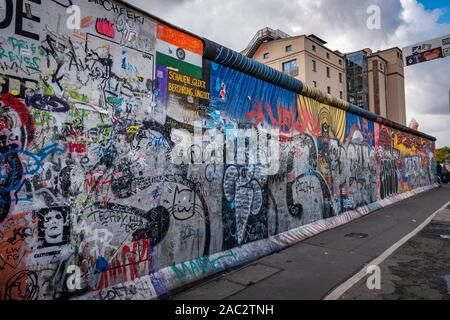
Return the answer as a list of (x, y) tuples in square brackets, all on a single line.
[(443, 154)]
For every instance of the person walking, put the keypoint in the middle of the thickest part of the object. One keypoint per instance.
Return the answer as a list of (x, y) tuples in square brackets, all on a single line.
[(439, 172)]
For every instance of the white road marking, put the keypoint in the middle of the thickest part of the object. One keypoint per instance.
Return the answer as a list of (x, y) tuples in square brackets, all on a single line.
[(339, 291)]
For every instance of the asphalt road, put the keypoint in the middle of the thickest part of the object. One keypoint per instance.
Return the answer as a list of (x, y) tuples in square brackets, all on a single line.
[(311, 269)]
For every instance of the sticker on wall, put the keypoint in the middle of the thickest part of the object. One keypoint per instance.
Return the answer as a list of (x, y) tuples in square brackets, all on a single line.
[(160, 109), (446, 52), (53, 226), (28, 11), (184, 95), (30, 85), (178, 50), (14, 86)]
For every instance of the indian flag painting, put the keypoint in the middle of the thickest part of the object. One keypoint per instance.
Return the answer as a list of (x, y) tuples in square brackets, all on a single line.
[(178, 50)]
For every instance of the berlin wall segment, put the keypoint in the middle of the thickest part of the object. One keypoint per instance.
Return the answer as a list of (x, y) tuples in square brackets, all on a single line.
[(122, 172)]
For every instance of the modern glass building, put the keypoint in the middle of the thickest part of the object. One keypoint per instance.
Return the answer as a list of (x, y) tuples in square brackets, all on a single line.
[(357, 78), (375, 82)]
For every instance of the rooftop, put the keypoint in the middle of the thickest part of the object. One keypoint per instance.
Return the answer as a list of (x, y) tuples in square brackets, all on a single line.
[(315, 38), (269, 34), (265, 34)]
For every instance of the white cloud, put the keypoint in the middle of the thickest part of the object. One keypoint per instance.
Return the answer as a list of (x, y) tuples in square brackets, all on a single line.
[(343, 24)]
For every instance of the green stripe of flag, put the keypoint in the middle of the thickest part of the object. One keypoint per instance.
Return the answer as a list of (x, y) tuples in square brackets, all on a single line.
[(183, 67)]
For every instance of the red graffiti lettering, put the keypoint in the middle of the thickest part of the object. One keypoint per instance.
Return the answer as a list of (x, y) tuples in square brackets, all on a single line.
[(77, 147), (286, 120), (128, 264), (96, 182)]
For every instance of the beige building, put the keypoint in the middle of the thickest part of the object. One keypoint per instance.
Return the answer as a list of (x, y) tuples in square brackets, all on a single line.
[(373, 81), (303, 57)]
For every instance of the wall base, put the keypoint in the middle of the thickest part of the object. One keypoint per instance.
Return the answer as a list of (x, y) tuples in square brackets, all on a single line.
[(160, 284)]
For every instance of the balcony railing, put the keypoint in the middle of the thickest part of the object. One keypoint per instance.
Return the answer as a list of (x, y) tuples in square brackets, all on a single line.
[(262, 35)]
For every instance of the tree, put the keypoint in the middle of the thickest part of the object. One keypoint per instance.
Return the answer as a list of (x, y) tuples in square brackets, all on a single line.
[(443, 154)]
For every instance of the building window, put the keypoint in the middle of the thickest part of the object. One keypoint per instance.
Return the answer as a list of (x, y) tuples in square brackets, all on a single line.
[(289, 48), (328, 55), (266, 56), (328, 72), (340, 62), (329, 90), (315, 84), (341, 94), (381, 66), (291, 68), (314, 65), (357, 79), (314, 48), (340, 77)]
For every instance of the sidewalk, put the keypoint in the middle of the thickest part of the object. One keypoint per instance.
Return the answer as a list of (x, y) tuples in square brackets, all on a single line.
[(419, 270), (313, 268)]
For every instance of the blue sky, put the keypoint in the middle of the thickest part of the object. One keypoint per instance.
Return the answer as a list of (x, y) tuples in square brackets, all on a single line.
[(438, 4)]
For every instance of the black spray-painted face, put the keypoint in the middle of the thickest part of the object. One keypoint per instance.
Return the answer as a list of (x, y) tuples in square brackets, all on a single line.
[(54, 223)]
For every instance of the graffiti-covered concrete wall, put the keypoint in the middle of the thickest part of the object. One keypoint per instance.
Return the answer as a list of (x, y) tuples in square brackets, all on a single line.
[(122, 175)]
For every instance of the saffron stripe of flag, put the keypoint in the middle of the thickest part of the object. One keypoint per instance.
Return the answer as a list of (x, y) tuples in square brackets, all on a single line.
[(179, 39)]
